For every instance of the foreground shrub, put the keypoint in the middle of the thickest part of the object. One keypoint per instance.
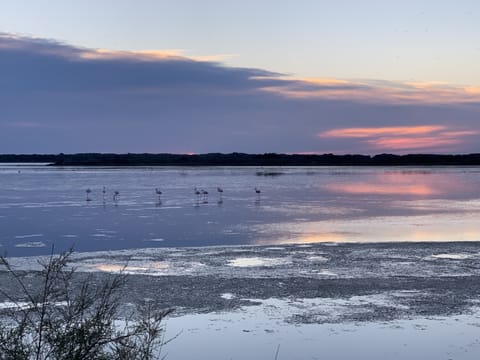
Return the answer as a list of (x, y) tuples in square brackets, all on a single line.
[(67, 319)]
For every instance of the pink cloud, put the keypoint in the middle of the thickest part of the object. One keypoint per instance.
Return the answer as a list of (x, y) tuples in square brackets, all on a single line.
[(402, 138), (406, 143), (370, 132)]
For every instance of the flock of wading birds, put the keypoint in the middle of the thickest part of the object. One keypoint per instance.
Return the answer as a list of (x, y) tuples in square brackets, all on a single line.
[(200, 194)]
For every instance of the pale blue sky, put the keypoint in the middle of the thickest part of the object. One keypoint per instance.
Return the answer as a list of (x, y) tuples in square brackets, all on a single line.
[(351, 39)]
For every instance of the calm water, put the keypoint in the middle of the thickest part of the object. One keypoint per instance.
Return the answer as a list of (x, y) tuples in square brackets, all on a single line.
[(41, 206)]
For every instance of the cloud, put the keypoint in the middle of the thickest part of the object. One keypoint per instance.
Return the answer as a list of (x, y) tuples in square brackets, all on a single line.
[(404, 137), (371, 132), (47, 65), (56, 97), (419, 143), (375, 91)]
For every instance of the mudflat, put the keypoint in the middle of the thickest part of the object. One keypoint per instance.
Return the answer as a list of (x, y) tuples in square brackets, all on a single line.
[(336, 282)]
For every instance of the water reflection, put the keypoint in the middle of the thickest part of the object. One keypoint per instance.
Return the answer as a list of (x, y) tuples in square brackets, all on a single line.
[(399, 183), (382, 189), (305, 238), (438, 228), (303, 205)]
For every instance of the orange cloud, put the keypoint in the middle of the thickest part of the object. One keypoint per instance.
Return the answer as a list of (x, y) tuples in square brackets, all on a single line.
[(375, 91), (324, 81), (475, 90), (149, 55), (426, 84)]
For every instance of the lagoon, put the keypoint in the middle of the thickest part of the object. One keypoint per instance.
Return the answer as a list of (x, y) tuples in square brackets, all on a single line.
[(44, 206)]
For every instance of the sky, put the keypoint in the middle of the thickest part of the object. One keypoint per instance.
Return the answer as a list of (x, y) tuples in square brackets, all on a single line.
[(189, 76)]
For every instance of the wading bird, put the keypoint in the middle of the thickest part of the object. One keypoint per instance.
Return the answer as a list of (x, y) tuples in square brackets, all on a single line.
[(159, 193), (88, 191), (115, 195), (257, 190), (220, 191), (205, 195), (197, 192)]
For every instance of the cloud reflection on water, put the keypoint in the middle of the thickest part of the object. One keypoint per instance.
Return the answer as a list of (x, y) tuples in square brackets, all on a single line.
[(404, 204), (416, 183), (381, 189), (422, 228)]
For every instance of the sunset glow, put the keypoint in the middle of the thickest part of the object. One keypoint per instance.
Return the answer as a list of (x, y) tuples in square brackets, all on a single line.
[(369, 132), (404, 137), (145, 55), (306, 238), (399, 143), (401, 183), (371, 91)]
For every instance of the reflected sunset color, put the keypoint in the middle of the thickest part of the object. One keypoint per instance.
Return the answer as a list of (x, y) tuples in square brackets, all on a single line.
[(41, 206), (398, 182), (383, 189), (442, 227)]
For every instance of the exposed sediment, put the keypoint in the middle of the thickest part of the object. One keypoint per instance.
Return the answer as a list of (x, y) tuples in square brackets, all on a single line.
[(345, 282)]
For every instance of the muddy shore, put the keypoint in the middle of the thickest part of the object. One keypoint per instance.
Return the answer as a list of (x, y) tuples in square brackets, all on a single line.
[(411, 279)]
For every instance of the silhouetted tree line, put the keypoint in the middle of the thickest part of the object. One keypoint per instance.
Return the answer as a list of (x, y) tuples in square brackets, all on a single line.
[(242, 159), (30, 158)]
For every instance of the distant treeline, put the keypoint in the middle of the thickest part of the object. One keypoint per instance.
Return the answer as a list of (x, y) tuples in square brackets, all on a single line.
[(241, 159)]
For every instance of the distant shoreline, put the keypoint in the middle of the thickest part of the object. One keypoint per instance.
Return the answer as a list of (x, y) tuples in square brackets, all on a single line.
[(242, 159)]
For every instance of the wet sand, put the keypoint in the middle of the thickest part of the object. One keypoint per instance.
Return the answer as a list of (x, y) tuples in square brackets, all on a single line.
[(412, 279)]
